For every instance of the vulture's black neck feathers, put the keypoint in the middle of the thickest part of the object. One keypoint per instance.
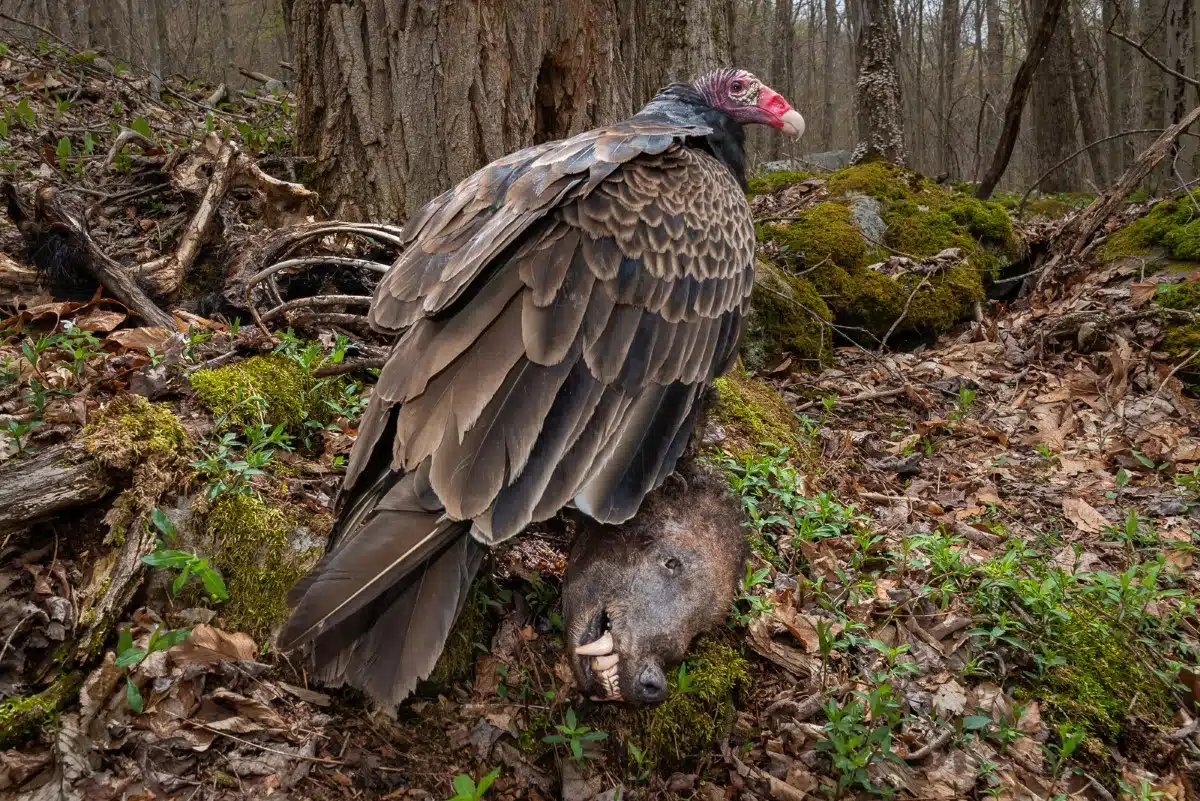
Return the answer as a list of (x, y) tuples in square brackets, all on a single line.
[(683, 104)]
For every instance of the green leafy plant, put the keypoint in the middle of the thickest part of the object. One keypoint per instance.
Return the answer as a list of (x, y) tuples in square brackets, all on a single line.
[(465, 788), (639, 758), (964, 405), (129, 656), (574, 735), (859, 735), (187, 563), (748, 604), (17, 432)]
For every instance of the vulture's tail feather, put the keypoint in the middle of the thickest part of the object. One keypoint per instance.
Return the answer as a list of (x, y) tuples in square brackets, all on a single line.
[(378, 608)]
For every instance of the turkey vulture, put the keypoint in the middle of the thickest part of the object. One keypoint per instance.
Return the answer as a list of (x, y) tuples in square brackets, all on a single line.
[(559, 314)]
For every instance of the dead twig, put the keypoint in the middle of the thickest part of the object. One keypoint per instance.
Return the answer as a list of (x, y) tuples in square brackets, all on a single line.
[(1175, 370), (124, 137), (932, 745), (875, 394), (167, 273), (903, 312), (350, 367), (316, 301)]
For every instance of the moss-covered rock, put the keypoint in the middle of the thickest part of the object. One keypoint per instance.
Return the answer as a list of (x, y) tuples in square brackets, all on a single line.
[(24, 717), (768, 182), (688, 723), (130, 433), (1181, 337), (1103, 684), (272, 389), (253, 546), (786, 316), (1171, 229), (752, 413), (822, 234), (130, 430), (879, 179)]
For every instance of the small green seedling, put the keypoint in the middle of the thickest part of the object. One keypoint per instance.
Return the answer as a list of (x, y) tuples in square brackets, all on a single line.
[(129, 657), (574, 735), (465, 788), (187, 563)]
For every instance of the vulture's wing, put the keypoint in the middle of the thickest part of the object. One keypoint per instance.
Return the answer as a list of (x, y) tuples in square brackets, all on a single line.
[(564, 309)]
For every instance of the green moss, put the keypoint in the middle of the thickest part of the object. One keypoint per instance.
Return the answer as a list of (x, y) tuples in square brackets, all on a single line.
[(1173, 225), (1181, 337), (768, 182), (474, 625), (785, 317), (1103, 684), (688, 723), (824, 233), (752, 413), (879, 179), (251, 546), (130, 430), (288, 394), (25, 717)]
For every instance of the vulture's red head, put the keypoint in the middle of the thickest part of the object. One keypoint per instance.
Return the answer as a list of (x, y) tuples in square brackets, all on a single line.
[(748, 100)]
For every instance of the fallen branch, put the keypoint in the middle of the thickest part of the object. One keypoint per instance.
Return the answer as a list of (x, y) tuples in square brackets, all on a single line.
[(125, 136), (166, 274), (1080, 230), (316, 301), (875, 394), (43, 485)]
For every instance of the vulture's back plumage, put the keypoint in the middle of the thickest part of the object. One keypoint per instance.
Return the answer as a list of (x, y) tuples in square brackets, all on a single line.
[(560, 314)]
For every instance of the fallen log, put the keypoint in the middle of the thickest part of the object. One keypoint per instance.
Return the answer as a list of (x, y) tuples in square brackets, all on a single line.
[(39, 487)]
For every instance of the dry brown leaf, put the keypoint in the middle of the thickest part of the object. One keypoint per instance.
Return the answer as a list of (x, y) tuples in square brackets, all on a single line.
[(101, 320), (142, 339), (1085, 518), (950, 699), (207, 645), (793, 660), (1141, 292)]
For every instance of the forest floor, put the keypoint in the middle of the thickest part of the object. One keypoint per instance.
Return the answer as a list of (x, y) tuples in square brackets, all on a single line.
[(973, 572)]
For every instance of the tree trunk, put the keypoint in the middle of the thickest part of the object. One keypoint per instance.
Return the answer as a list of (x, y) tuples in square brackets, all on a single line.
[(398, 102), (877, 107), (947, 67), (42, 486), (1116, 95), (1051, 14), (781, 60), (1053, 120), (157, 26), (1154, 85), (994, 83), (831, 27), (1084, 89), (225, 51)]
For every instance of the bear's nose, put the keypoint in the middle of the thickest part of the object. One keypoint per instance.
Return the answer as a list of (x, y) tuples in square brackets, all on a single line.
[(651, 686)]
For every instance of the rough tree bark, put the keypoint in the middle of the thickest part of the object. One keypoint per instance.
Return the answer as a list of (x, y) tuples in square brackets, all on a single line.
[(1115, 94), (831, 26), (781, 60), (1052, 117), (877, 107), (1051, 14), (994, 82), (398, 101), (947, 69), (1083, 88)]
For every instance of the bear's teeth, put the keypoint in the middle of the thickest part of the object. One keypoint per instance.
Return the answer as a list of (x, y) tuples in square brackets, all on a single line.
[(604, 662), (600, 647)]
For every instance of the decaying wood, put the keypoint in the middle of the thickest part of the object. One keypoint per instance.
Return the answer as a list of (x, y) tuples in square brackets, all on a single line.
[(165, 274), (1081, 229), (46, 484), (116, 279), (124, 137)]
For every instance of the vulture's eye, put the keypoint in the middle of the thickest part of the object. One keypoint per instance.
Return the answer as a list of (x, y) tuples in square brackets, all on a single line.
[(737, 86), (672, 564)]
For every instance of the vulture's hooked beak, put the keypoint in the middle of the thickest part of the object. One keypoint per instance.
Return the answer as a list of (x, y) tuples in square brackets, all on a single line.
[(790, 121)]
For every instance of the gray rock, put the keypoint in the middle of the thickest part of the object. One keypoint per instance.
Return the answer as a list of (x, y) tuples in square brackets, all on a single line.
[(867, 215), (828, 161)]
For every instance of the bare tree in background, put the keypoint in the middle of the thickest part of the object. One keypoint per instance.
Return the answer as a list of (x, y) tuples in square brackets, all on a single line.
[(878, 110), (781, 59), (1052, 117), (831, 27), (399, 102), (948, 46), (1052, 12)]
